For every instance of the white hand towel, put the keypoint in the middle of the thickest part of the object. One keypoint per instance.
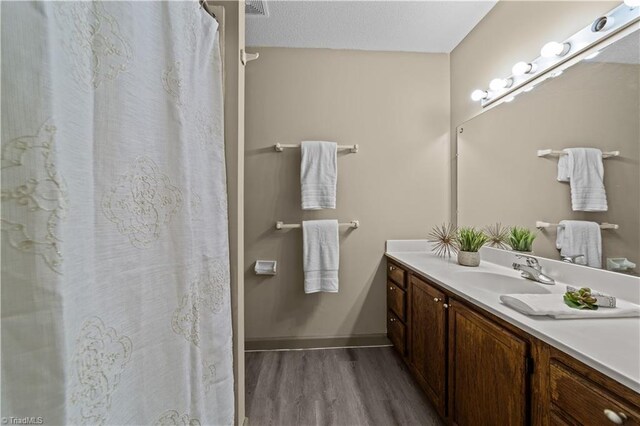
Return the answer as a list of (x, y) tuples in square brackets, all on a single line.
[(580, 237), (319, 175), (586, 177), (321, 252), (553, 305)]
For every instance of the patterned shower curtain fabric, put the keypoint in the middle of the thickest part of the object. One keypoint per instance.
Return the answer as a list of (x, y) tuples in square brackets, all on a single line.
[(115, 260)]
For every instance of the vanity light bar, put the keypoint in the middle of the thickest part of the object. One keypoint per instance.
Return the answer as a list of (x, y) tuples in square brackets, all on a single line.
[(554, 54), (551, 152), (542, 225)]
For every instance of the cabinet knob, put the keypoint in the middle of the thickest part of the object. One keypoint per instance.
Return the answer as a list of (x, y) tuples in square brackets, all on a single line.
[(390, 288), (435, 299), (446, 305), (617, 418), (391, 268), (391, 320)]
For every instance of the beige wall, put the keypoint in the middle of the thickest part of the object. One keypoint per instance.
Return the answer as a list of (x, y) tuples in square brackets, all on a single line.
[(511, 32), (501, 178), (396, 107)]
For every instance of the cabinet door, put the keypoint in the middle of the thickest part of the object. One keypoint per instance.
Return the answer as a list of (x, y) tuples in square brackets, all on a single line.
[(487, 371), (396, 333), (428, 340)]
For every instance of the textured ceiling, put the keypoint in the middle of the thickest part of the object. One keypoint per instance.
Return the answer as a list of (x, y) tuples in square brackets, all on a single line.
[(409, 26)]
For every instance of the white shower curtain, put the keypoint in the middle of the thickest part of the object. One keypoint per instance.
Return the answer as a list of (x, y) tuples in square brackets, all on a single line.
[(115, 268)]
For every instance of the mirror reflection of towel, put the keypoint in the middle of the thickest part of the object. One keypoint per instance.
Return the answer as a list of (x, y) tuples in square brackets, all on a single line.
[(584, 170), (577, 237)]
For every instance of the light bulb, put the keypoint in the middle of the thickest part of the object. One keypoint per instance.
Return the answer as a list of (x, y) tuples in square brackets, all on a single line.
[(553, 48), (500, 83), (632, 3), (522, 68), (556, 74), (593, 55), (510, 99), (478, 95), (528, 89)]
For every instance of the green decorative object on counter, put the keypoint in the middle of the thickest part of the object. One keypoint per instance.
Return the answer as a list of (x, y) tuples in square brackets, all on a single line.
[(470, 240), (521, 239), (498, 236), (581, 299), (443, 238)]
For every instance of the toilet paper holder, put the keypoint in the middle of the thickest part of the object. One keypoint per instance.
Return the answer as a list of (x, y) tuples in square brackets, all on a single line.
[(266, 267)]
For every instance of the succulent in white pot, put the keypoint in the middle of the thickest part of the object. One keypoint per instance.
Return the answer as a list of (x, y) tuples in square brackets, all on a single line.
[(470, 241)]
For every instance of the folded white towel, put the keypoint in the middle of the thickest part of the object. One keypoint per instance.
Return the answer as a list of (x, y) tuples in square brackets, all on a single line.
[(553, 305), (319, 175), (321, 252), (586, 177), (580, 237)]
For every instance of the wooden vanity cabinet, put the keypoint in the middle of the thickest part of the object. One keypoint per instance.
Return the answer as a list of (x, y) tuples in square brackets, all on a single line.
[(428, 352), (488, 373), (478, 369)]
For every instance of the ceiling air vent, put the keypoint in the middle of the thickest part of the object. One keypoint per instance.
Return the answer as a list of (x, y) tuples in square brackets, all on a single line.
[(256, 8)]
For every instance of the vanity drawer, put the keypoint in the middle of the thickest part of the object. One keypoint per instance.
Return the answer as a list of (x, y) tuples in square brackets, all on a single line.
[(396, 274), (396, 332), (396, 300), (584, 402)]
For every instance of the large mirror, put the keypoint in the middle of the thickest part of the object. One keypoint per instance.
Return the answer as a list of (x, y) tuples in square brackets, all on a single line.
[(593, 104)]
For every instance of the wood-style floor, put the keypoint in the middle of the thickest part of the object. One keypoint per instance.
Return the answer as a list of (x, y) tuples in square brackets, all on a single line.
[(342, 387)]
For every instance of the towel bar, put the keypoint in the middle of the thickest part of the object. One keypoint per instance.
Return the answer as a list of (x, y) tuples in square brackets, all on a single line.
[(547, 152), (279, 147), (281, 225), (541, 225)]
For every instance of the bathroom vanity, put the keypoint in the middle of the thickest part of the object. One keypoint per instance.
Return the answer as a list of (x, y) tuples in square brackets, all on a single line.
[(479, 362)]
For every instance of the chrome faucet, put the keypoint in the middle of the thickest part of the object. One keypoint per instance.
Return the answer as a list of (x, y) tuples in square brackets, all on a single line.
[(571, 259), (532, 270)]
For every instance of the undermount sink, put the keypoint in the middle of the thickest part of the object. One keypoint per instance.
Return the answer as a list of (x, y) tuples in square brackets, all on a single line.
[(503, 284)]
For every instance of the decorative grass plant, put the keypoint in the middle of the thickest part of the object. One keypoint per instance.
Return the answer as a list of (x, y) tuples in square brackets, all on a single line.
[(443, 238), (471, 239), (497, 236), (521, 239)]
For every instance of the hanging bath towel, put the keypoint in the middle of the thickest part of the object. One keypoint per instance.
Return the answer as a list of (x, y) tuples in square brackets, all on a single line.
[(321, 251), (319, 175)]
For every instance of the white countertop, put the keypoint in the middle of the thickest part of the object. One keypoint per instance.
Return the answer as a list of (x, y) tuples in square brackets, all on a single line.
[(611, 345)]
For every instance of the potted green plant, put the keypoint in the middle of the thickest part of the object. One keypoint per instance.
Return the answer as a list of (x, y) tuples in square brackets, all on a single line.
[(521, 239), (470, 240)]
